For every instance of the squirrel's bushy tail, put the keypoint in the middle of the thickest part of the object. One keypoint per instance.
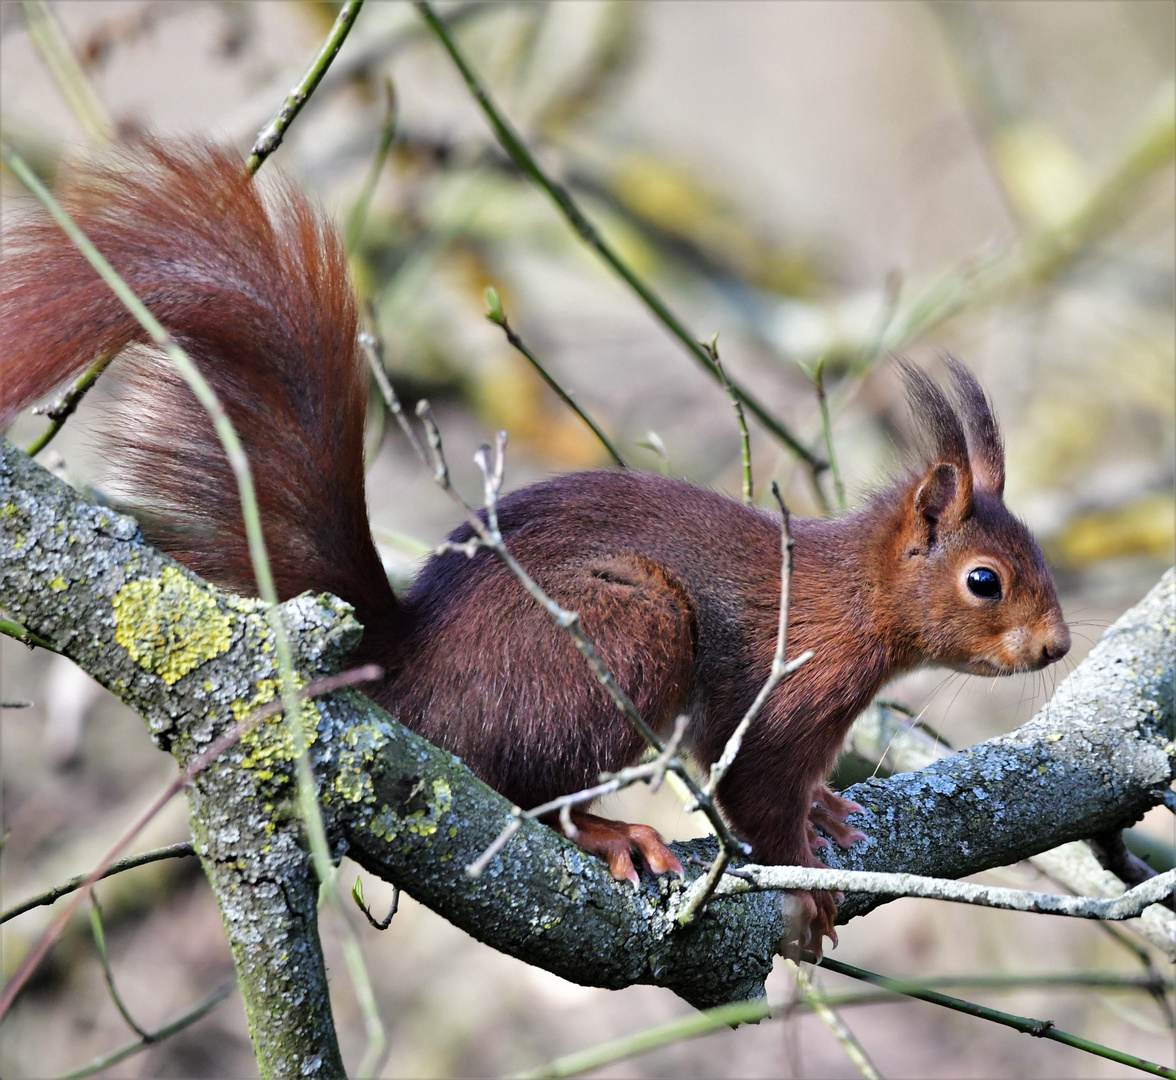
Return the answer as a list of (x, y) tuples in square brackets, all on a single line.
[(252, 283)]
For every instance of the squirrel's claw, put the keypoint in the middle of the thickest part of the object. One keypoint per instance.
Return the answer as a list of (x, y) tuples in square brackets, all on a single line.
[(818, 910)]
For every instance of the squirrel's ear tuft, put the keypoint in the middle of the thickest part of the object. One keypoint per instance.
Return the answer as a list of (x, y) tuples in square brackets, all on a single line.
[(937, 424), (986, 447)]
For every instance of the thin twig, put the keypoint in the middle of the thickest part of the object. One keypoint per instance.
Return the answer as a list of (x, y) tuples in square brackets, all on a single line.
[(100, 945), (239, 463), (317, 688), (780, 670), (478, 866), (486, 534), (270, 137), (513, 144), (819, 1002), (64, 407), (651, 772), (712, 348), (752, 878), (379, 924), (46, 34), (703, 889), (24, 635), (491, 538), (359, 211), (663, 761), (157, 1036), (50, 896), (827, 428), (749, 1012), (196, 382), (497, 316), (1041, 1029)]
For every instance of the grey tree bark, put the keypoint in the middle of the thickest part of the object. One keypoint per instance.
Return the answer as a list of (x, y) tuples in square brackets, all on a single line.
[(192, 660)]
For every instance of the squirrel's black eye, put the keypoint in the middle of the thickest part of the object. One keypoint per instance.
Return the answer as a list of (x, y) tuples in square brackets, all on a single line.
[(984, 582)]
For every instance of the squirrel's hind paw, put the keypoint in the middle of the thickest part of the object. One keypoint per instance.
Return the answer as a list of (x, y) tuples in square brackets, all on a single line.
[(818, 912), (614, 841), (828, 813)]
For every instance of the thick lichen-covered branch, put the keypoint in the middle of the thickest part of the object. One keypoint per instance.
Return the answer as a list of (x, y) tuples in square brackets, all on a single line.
[(193, 661), (1093, 760)]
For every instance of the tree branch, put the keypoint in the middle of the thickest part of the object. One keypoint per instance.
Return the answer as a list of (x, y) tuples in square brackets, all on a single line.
[(192, 661), (1097, 756)]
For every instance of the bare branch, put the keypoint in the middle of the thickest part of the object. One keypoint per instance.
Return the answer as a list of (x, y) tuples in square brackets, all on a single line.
[(750, 878)]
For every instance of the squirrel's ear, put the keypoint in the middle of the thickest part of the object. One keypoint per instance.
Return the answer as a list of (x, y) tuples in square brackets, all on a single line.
[(985, 445), (943, 498)]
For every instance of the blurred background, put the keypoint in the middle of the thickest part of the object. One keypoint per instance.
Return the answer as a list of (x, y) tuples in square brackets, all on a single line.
[(820, 184)]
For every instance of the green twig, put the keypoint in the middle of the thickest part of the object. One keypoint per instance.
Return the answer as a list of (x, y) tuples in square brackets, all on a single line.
[(50, 40), (1040, 1029), (359, 212), (378, 924), (689, 1027), (100, 945), (750, 1012), (50, 896), (819, 1002), (827, 428), (497, 316), (270, 137), (24, 635), (153, 1037), (199, 386), (712, 347), (65, 406), (513, 144)]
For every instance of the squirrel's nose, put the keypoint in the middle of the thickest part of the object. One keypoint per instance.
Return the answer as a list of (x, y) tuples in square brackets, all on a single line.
[(1057, 644)]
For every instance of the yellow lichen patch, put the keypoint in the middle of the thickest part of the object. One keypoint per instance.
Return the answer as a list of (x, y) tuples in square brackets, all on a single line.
[(169, 624), (358, 746), (389, 823), (272, 743), (58, 584), (424, 822)]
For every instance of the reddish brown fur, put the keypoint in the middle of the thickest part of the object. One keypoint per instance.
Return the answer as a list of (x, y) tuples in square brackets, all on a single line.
[(679, 587), (254, 287)]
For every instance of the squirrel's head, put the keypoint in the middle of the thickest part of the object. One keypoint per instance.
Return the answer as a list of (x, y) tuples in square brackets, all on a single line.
[(976, 593)]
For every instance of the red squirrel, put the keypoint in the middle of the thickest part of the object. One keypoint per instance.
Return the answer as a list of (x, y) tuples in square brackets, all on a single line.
[(677, 586)]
